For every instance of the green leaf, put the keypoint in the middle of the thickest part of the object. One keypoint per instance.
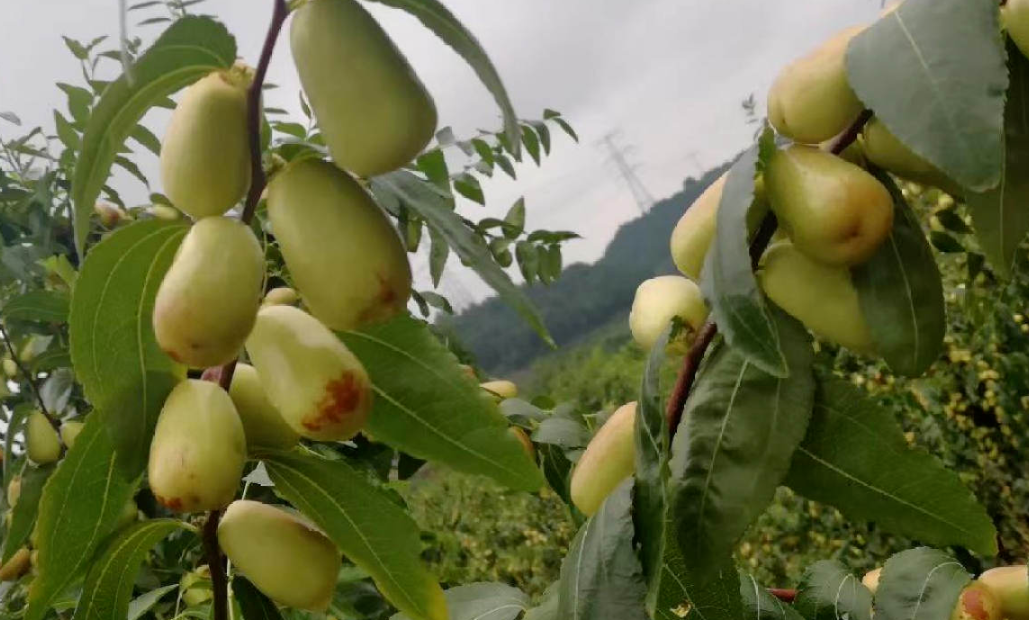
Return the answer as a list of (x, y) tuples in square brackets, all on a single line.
[(482, 601), (649, 500), (39, 305), (531, 142), (919, 584), (601, 579), (933, 72), (442, 22), (528, 261), (370, 529), (515, 219), (855, 457), (145, 137), (1000, 217), (828, 591), (189, 49), (112, 573), (80, 506), (945, 243), (715, 595), (562, 432), (427, 407), (23, 515), (145, 602), (547, 608), (544, 134), (254, 604), (901, 294), (469, 187), (430, 204), (737, 305), (734, 445), (950, 220), (557, 469), (123, 371), (760, 604), (19, 414), (439, 251), (566, 127)]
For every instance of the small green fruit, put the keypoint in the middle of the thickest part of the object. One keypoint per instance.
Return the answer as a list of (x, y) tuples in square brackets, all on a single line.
[(1011, 586), (883, 149), (262, 422), (207, 302), (609, 459), (284, 556), (344, 254), (205, 156), (18, 565), (381, 116), (811, 99), (692, 235), (70, 431), (10, 367), (977, 602), (501, 388), (281, 296), (833, 211), (164, 212), (41, 441), (658, 301), (13, 491), (820, 296), (321, 390), (1014, 17), (198, 449)]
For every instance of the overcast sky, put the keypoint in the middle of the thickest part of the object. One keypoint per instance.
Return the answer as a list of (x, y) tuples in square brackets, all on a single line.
[(668, 74)]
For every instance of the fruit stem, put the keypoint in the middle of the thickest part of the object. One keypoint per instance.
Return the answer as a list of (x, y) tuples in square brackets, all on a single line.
[(29, 378), (219, 582), (706, 334)]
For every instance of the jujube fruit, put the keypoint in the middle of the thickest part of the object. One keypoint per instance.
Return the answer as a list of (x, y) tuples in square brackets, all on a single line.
[(345, 256), (609, 459), (820, 296), (832, 210), (41, 441), (205, 155), (321, 390), (1010, 584), (281, 296), (286, 557), (977, 602), (523, 438), (70, 431), (1014, 16), (811, 100), (262, 422), (198, 450), (883, 149), (660, 300), (18, 565), (502, 389), (380, 116), (208, 300), (692, 235)]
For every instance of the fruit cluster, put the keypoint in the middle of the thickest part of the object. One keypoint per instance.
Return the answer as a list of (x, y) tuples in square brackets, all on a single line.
[(999, 593)]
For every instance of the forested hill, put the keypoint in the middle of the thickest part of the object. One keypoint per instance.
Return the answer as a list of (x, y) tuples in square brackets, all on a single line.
[(585, 297)]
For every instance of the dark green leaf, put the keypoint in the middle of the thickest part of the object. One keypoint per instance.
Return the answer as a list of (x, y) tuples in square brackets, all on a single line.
[(438, 301), (566, 127), (528, 261), (79, 100), (601, 578), (23, 515), (738, 307), (557, 470), (505, 165), (425, 199), (439, 251), (188, 50), (484, 150), (531, 142), (561, 432), (919, 584), (468, 186), (544, 134), (901, 294), (123, 371), (946, 244), (759, 604), (145, 602), (112, 573), (433, 165), (66, 132), (77, 49), (828, 591), (253, 604), (482, 601), (368, 527), (950, 220), (426, 406), (145, 137), (855, 458), (130, 166), (515, 219), (933, 72), (39, 305)]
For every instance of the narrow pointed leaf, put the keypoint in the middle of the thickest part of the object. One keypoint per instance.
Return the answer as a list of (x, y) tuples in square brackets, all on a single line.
[(370, 529), (38, 305), (855, 457), (901, 294), (828, 591), (919, 584)]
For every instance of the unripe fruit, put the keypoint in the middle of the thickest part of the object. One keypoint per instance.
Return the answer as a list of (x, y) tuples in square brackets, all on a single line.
[(205, 156), (41, 441), (207, 302), (1014, 17), (262, 422), (692, 235), (284, 556), (70, 431), (10, 367), (110, 215), (1011, 586), (811, 99), (13, 491), (658, 301), (977, 602), (381, 116), (321, 390), (871, 579), (281, 296), (883, 149), (820, 296), (469, 372), (18, 565), (164, 212), (344, 254), (833, 211), (196, 587), (609, 459), (198, 450), (501, 388), (523, 438)]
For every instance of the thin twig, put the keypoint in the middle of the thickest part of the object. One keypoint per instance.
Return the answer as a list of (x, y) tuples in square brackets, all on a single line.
[(706, 334), (219, 581), (29, 378)]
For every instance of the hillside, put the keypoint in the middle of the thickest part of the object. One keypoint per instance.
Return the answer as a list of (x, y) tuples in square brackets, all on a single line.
[(585, 297)]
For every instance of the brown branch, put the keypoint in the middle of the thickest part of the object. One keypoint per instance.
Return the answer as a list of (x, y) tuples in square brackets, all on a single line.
[(706, 334), (29, 377), (219, 581), (784, 595)]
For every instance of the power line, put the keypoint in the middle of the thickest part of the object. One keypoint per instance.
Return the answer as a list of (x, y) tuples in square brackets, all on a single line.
[(640, 193)]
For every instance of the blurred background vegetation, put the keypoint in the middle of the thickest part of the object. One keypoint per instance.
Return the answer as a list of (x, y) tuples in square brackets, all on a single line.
[(971, 410)]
